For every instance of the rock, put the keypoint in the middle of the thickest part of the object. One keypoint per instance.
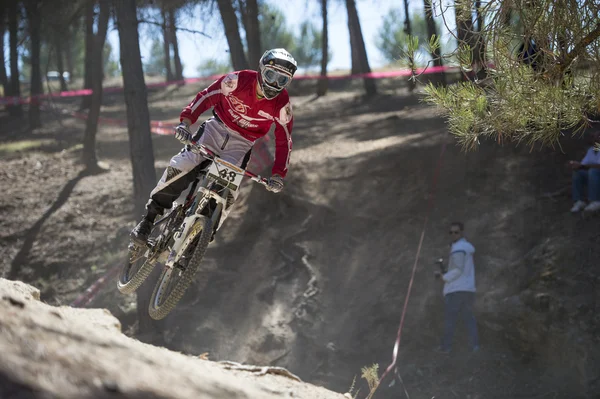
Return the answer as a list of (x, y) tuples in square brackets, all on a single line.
[(14, 302), (19, 289), (65, 352)]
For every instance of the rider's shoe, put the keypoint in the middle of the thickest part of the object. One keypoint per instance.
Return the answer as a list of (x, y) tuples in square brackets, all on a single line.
[(141, 232)]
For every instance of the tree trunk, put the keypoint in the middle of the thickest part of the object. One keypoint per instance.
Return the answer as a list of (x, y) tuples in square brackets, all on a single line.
[(138, 128), (360, 50), (323, 83), (232, 32), (166, 47), (464, 29), (479, 56), (58, 48), (89, 45), (32, 8), (407, 27), (136, 100), (13, 29), (431, 31), (3, 76), (173, 36), (91, 126), (355, 62), (252, 27), (244, 15), (408, 30)]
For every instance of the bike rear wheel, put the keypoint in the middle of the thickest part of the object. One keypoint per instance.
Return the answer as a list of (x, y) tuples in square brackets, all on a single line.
[(174, 281)]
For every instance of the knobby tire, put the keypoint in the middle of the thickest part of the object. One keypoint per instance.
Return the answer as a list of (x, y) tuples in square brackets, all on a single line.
[(135, 281), (130, 286)]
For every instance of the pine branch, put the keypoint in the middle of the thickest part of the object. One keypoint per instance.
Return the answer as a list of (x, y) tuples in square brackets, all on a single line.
[(580, 47)]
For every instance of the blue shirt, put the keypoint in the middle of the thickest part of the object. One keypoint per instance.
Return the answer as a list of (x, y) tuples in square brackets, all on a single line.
[(592, 157)]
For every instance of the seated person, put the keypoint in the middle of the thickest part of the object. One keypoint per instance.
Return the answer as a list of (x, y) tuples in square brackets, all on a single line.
[(587, 173)]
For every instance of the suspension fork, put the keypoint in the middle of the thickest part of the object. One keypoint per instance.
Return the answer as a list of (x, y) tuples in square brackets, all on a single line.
[(200, 200), (216, 216)]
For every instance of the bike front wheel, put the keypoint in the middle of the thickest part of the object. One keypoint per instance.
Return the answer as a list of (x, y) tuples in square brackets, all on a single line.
[(136, 270), (175, 280), (141, 260)]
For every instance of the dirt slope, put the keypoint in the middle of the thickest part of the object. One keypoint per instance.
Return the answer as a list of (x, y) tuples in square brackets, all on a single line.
[(61, 352), (313, 279), (327, 263)]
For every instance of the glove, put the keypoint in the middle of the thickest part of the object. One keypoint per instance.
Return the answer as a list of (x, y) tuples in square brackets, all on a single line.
[(182, 133), (275, 183)]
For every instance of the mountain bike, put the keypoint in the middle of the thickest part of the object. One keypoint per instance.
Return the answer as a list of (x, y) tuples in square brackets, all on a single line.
[(180, 239)]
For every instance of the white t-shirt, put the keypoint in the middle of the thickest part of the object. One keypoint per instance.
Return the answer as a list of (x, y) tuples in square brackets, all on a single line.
[(592, 157)]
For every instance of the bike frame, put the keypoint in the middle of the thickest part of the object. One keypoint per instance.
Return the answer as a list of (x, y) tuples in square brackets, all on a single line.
[(208, 189)]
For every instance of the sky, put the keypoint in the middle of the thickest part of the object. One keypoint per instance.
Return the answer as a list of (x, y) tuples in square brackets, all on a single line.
[(195, 48)]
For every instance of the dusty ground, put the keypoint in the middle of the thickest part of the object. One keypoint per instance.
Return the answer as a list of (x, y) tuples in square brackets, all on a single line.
[(314, 279)]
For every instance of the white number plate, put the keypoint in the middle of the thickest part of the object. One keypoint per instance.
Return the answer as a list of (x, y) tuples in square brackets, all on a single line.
[(226, 174)]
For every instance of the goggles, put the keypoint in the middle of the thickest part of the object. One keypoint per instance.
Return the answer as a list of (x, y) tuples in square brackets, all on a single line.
[(275, 78)]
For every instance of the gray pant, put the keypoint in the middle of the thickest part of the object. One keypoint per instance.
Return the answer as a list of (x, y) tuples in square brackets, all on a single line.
[(457, 303), (184, 167)]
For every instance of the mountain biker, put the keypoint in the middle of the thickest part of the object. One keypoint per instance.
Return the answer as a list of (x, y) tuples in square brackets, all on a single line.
[(245, 105)]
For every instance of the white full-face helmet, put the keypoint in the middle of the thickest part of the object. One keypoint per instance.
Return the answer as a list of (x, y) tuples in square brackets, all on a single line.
[(276, 69)]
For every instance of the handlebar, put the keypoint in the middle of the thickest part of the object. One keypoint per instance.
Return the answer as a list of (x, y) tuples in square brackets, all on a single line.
[(209, 154), (256, 178), (202, 150)]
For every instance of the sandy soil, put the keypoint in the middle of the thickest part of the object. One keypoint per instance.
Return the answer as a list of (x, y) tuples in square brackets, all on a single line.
[(314, 279)]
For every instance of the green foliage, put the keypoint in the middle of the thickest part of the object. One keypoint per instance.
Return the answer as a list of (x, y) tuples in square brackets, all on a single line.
[(305, 46), (274, 32), (23, 145), (351, 393), (464, 55), (515, 107), (517, 100), (392, 39), (308, 45), (155, 64), (76, 50), (112, 66), (214, 67), (371, 375), (433, 44)]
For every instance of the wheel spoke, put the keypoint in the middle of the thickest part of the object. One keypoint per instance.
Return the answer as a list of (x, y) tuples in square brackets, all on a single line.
[(166, 286)]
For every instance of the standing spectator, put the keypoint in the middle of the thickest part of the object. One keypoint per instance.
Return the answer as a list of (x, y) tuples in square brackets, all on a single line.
[(459, 289), (587, 172)]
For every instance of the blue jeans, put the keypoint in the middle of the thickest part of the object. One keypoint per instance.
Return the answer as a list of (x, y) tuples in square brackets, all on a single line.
[(589, 178), (457, 302)]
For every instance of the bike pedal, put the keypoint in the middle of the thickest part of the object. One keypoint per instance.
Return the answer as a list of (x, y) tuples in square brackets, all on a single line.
[(134, 246)]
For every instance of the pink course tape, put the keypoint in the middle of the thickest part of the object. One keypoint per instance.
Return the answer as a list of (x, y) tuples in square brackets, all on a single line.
[(116, 89)]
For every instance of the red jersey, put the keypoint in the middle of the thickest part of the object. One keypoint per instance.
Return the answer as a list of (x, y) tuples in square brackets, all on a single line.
[(235, 102)]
